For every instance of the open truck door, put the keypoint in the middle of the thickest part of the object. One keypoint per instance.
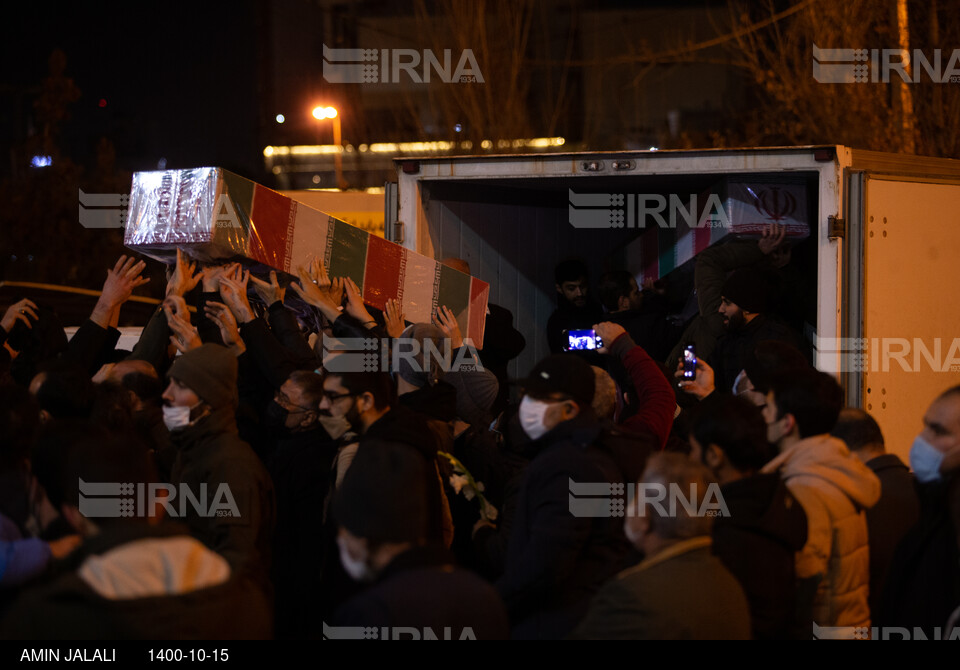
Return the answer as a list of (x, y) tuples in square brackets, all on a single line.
[(901, 345)]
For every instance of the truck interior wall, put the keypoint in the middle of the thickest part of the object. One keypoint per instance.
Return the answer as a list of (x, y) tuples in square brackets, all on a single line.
[(515, 249), (514, 235)]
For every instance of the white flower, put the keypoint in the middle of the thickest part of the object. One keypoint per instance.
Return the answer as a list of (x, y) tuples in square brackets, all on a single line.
[(458, 482), (489, 511)]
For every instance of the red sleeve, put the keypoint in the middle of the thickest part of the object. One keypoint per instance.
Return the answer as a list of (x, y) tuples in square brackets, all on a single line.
[(655, 397)]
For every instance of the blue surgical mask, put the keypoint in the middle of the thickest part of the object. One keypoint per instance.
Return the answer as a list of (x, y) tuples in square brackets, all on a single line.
[(925, 460)]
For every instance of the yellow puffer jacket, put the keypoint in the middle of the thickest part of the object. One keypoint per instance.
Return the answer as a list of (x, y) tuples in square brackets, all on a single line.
[(834, 488)]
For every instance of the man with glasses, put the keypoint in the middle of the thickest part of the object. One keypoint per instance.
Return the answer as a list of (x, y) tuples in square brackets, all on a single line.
[(300, 465)]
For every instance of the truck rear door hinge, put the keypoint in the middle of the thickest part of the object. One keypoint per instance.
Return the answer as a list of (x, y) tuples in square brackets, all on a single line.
[(837, 228)]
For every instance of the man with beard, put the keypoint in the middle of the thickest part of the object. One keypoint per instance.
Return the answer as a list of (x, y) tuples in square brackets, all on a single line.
[(575, 311), (743, 304), (300, 466), (368, 402)]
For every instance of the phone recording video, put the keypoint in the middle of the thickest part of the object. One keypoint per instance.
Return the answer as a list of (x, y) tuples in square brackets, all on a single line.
[(580, 340), (689, 362)]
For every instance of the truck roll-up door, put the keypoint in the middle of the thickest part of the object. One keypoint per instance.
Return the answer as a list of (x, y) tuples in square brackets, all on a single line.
[(909, 346)]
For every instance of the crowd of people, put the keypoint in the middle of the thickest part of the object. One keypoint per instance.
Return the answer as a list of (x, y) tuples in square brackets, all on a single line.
[(235, 476)]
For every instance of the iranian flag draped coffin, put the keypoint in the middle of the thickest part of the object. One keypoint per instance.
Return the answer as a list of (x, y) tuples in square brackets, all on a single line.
[(216, 216)]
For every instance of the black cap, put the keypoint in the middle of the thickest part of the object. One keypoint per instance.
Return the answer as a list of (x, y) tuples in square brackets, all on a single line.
[(561, 373)]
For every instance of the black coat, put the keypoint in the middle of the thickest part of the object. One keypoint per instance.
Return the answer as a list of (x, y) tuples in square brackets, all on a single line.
[(923, 585), (757, 543), (210, 453), (300, 468), (556, 561), (421, 593), (734, 347), (889, 520)]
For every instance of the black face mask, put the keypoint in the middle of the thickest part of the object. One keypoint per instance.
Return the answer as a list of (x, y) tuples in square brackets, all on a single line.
[(275, 417)]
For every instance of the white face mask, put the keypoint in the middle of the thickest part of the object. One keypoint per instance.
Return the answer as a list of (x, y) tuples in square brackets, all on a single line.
[(178, 418), (334, 425), (531, 417), (175, 418), (925, 460), (358, 570)]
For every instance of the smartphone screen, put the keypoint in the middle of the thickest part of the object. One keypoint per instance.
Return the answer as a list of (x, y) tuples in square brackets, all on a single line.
[(689, 362), (578, 340)]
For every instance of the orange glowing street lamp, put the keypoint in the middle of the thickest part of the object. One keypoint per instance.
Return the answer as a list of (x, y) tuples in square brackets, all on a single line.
[(320, 113)]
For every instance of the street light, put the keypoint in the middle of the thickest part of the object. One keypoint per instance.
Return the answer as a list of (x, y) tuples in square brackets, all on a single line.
[(320, 113)]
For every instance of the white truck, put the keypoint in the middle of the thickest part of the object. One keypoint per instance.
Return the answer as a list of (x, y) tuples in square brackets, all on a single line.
[(882, 259)]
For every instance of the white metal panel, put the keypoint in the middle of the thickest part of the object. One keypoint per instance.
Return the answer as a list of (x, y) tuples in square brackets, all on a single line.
[(911, 274)]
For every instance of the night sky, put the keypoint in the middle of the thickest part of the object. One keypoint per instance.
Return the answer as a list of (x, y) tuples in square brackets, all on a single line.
[(179, 81)]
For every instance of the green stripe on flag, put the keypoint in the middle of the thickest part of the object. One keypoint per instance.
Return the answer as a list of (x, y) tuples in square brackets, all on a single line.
[(241, 192), (666, 249), (348, 256), (455, 293)]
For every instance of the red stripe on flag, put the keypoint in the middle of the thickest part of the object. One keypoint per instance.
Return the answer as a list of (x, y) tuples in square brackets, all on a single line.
[(269, 226), (479, 294), (650, 254), (381, 280)]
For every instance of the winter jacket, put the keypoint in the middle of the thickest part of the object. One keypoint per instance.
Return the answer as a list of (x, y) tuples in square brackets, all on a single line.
[(923, 585), (211, 454), (890, 519), (680, 593), (556, 561), (424, 594), (655, 398), (135, 581), (834, 488), (757, 543), (735, 347)]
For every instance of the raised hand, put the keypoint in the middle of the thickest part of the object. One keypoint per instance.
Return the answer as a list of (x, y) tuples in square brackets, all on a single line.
[(122, 279), (233, 290), (447, 322), (608, 332), (211, 276), (117, 289), (394, 317), (185, 336), (23, 310), (772, 237), (183, 279), (701, 385), (312, 294), (270, 292), (355, 306), (221, 315)]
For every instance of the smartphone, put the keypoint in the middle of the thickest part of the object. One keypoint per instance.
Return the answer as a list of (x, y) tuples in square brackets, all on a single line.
[(690, 362), (579, 340)]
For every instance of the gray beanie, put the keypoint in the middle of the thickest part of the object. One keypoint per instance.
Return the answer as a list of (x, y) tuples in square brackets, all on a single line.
[(476, 392), (417, 373), (210, 371)]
